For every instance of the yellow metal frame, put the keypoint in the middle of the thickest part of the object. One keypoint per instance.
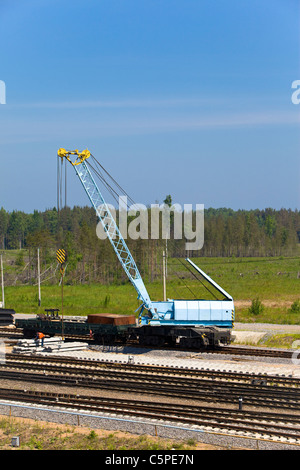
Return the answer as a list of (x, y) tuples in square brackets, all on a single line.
[(81, 156)]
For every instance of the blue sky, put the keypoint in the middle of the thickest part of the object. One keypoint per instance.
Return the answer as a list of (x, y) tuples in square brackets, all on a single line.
[(190, 98)]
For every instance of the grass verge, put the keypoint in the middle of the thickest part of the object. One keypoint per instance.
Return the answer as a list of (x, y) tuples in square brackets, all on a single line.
[(35, 435)]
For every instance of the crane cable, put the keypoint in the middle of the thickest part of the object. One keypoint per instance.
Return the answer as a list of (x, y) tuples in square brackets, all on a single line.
[(192, 272), (122, 190), (115, 194), (98, 170)]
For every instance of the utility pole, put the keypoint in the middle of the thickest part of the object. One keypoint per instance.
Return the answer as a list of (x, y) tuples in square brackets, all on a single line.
[(164, 275), (61, 257), (166, 257), (62, 302), (39, 275), (2, 284)]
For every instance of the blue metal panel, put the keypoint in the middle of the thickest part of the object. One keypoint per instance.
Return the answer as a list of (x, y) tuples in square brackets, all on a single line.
[(205, 310), (221, 324), (193, 312)]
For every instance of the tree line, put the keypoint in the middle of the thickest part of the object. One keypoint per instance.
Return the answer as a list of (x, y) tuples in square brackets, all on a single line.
[(227, 232)]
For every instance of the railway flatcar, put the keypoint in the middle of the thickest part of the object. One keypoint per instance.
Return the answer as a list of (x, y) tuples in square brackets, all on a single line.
[(103, 328)]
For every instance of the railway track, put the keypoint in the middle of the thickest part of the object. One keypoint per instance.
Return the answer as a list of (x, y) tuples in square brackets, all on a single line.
[(259, 379), (160, 381), (252, 351), (265, 424)]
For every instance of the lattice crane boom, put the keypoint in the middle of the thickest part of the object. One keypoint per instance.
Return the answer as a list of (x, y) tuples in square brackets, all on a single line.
[(108, 223)]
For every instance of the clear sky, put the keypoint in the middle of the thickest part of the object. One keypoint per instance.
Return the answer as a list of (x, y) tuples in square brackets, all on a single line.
[(184, 97)]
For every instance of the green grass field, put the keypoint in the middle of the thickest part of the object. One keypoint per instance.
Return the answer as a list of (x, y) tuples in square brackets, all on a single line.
[(274, 281)]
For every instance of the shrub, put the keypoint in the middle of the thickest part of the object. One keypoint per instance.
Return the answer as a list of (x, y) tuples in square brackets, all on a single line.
[(295, 307), (256, 307), (106, 301)]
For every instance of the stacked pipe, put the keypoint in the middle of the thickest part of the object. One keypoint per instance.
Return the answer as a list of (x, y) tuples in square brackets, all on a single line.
[(6, 316), (55, 344)]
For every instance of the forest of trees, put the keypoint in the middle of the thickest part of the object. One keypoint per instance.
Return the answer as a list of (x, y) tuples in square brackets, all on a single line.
[(227, 232)]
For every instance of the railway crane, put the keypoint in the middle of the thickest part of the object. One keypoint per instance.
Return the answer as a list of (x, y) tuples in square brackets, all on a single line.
[(192, 323)]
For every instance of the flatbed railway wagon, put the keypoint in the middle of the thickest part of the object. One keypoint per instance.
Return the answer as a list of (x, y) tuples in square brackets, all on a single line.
[(103, 328)]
